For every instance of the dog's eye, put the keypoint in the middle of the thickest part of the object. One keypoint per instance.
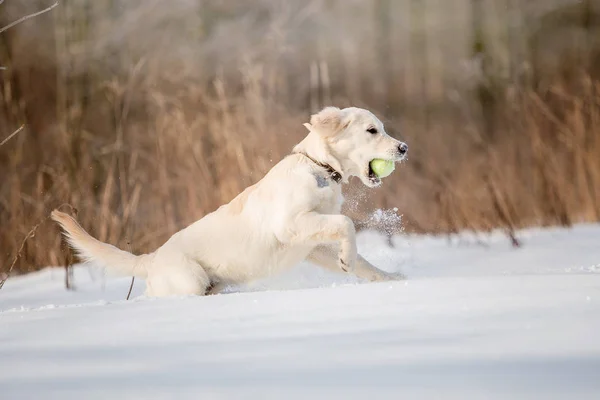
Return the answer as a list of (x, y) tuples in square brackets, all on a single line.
[(372, 130)]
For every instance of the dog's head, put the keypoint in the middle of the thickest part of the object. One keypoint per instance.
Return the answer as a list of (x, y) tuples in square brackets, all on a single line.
[(355, 137)]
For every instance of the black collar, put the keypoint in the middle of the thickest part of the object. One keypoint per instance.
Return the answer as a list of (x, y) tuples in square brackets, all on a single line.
[(333, 174)]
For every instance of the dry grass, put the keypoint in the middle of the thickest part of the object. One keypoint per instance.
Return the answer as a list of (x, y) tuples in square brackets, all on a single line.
[(144, 142)]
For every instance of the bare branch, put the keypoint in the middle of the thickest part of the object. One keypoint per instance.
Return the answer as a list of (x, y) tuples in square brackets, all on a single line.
[(2, 68), (14, 262), (130, 287), (132, 278), (29, 235), (11, 135), (25, 18)]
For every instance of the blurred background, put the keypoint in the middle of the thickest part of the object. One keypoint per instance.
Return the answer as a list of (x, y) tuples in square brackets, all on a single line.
[(147, 115)]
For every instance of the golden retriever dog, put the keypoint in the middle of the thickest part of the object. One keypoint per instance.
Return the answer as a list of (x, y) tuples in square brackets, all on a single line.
[(292, 214)]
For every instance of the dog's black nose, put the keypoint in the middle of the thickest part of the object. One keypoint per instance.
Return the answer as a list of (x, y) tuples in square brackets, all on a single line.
[(402, 148)]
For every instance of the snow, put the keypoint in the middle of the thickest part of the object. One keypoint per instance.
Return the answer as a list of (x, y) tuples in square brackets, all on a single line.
[(476, 319)]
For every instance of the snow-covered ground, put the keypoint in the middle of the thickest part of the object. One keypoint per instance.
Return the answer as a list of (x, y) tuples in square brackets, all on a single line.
[(476, 319)]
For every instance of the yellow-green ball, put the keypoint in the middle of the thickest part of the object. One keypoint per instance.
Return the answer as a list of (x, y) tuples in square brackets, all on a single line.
[(382, 168)]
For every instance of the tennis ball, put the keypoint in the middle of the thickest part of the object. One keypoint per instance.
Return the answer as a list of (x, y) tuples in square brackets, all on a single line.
[(382, 168)]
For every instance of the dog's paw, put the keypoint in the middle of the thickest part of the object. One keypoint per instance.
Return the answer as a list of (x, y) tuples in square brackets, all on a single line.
[(345, 265), (347, 256)]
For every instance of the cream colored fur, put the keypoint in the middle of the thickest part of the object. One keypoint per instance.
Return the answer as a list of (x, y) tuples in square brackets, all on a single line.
[(292, 214)]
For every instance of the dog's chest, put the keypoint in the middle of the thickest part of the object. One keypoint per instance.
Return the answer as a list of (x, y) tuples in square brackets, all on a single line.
[(329, 194)]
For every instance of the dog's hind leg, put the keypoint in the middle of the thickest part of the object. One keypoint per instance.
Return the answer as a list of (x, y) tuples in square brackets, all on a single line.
[(326, 257), (185, 277)]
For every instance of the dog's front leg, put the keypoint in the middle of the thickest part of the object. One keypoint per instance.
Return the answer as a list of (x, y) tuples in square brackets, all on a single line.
[(315, 228), (325, 256)]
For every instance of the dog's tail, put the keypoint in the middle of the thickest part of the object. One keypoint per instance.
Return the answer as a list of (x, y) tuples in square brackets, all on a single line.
[(91, 249)]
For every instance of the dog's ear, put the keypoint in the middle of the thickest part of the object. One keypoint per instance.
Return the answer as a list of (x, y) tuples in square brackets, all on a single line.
[(328, 121)]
